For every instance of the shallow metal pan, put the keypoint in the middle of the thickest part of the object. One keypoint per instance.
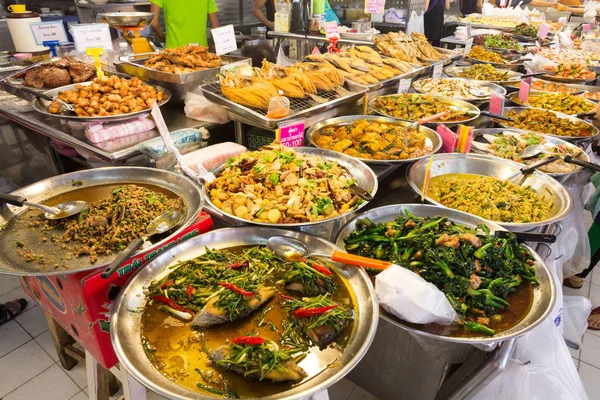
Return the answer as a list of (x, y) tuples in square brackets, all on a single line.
[(512, 67), (571, 88), (544, 295), (432, 136), (494, 87), (125, 322), (499, 168), (127, 18), (454, 72), (514, 98)]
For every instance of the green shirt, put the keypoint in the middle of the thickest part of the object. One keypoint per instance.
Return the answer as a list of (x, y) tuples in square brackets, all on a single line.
[(185, 20)]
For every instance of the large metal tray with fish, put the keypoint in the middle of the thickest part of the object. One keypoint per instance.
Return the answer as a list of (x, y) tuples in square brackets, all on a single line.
[(324, 368), (476, 95), (95, 184), (178, 84), (544, 295), (449, 55), (387, 83), (498, 168), (485, 135), (511, 76), (41, 106), (310, 109), (434, 141)]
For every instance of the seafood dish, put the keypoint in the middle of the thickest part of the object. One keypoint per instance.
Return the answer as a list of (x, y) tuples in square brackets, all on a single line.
[(548, 122), (569, 55), (250, 91), (230, 323), (277, 185), (412, 107), (499, 41), (560, 102), (292, 82), (490, 198), (184, 60), (484, 72), (487, 280), (481, 54), (58, 73), (374, 140), (105, 227), (456, 88), (510, 145), (414, 49), (571, 71), (108, 95)]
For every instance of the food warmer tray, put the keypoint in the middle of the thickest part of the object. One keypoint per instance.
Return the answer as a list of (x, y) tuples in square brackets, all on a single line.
[(544, 294), (387, 83), (178, 84), (432, 136), (514, 98), (125, 321), (512, 67), (573, 88), (450, 55), (495, 87), (307, 109), (512, 76), (499, 168), (553, 78), (41, 191)]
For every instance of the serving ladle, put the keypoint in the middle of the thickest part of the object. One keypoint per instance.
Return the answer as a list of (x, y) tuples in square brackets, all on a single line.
[(290, 249), (59, 211), (160, 224)]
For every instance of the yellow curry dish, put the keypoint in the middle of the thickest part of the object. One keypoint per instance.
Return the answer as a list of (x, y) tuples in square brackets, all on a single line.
[(560, 102), (545, 121)]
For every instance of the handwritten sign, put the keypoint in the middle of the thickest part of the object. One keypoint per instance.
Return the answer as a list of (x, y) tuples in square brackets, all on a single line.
[(448, 138), (468, 47), (224, 38), (543, 31), (524, 91), (46, 31), (291, 135), (437, 69), (496, 103), (403, 86), (91, 35), (374, 6), (332, 30)]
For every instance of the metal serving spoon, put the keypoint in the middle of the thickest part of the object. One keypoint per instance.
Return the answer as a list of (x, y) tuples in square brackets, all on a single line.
[(62, 210), (290, 249), (160, 224)]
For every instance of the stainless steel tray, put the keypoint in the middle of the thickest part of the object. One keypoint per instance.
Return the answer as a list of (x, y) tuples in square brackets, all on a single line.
[(39, 192), (454, 72), (512, 67), (544, 295), (127, 18), (307, 109), (514, 98), (353, 86), (499, 168), (571, 88), (496, 88), (550, 77), (126, 321), (432, 136)]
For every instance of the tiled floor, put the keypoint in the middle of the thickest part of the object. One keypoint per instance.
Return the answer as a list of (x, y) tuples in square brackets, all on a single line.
[(30, 369)]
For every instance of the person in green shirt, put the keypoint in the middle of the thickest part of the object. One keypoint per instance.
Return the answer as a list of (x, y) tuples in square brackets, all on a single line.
[(185, 21)]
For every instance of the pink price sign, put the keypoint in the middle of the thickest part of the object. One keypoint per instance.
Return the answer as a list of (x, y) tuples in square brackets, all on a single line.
[(332, 30), (496, 103), (291, 135), (586, 27), (543, 31), (524, 91), (374, 6), (448, 138)]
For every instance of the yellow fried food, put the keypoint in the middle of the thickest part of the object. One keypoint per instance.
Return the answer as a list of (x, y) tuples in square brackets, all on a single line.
[(561, 102), (544, 121), (484, 72), (479, 53), (250, 91)]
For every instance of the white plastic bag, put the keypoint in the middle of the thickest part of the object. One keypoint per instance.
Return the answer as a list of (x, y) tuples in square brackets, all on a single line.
[(574, 236), (411, 298), (416, 23), (200, 109), (555, 267), (576, 311), (589, 13)]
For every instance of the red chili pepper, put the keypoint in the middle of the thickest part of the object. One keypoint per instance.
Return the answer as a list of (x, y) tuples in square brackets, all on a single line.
[(171, 303), (167, 283), (236, 289), (190, 290), (237, 265), (286, 297), (321, 269), (311, 312), (248, 340)]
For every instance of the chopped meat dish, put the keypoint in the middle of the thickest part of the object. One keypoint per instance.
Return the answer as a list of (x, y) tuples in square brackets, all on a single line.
[(59, 73), (184, 59)]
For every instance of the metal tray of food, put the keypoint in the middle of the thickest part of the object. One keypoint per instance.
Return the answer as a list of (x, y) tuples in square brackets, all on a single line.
[(570, 87), (514, 98), (499, 168), (126, 333), (47, 189), (571, 139), (449, 55), (432, 136), (553, 78), (492, 86), (512, 67), (512, 76), (387, 83), (544, 295), (307, 109), (41, 106), (178, 84)]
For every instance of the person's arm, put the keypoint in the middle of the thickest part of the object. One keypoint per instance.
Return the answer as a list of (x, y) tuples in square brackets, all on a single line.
[(479, 6), (447, 5), (212, 14), (257, 11), (540, 3), (426, 5), (155, 24)]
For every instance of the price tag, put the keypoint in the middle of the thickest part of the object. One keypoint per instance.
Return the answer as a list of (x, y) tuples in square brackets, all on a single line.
[(437, 69), (469, 30), (403, 86), (46, 31), (537, 46), (448, 138), (315, 51), (543, 31), (374, 6), (291, 135), (91, 35), (468, 47), (465, 137), (332, 30), (529, 78), (524, 91), (496, 103), (224, 38), (586, 27)]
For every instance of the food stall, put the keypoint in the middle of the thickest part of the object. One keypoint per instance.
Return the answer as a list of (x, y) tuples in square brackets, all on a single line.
[(384, 149)]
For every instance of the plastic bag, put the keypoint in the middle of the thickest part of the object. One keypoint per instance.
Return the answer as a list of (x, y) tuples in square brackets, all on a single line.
[(589, 13), (200, 109), (416, 23), (213, 156), (541, 368), (576, 311), (574, 235), (411, 298), (555, 267)]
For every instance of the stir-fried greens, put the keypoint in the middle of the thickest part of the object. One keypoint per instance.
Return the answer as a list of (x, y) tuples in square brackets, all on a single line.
[(484, 72), (476, 271), (413, 107), (497, 41), (561, 102)]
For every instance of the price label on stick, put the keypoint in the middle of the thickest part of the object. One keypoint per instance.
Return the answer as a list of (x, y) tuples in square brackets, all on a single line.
[(437, 69), (374, 6), (469, 30), (468, 47), (46, 31), (537, 46), (529, 78), (448, 138), (403, 86), (524, 91), (291, 135), (496, 103), (224, 38), (332, 30), (543, 31), (91, 36), (586, 27)]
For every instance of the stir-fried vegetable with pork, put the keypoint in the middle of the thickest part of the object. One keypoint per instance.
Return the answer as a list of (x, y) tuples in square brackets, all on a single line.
[(413, 107), (561, 102), (547, 122), (476, 271), (484, 72)]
